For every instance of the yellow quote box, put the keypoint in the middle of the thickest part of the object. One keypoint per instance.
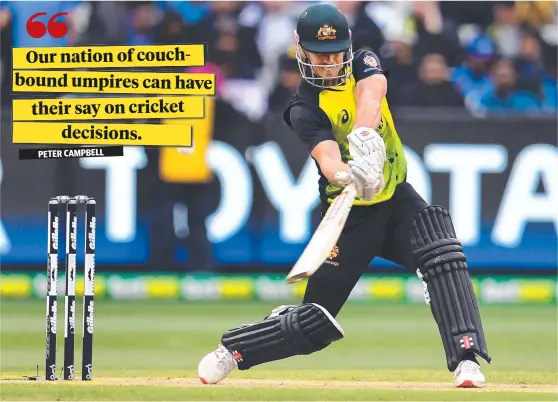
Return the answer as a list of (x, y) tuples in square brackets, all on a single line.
[(108, 56), (192, 107), (102, 134), (113, 82)]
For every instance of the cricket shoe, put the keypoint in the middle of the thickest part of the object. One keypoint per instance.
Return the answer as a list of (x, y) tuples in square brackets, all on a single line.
[(216, 365), (468, 375)]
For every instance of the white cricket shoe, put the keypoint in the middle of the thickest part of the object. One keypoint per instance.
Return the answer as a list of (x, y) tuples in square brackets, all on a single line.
[(468, 375), (216, 365)]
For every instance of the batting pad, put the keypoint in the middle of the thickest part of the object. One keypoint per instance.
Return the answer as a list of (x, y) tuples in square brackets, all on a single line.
[(296, 330), (453, 302)]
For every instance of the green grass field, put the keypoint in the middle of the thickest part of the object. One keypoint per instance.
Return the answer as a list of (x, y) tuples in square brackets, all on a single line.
[(150, 350)]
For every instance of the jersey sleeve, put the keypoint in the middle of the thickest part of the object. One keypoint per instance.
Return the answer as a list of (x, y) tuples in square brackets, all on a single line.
[(310, 127), (365, 64)]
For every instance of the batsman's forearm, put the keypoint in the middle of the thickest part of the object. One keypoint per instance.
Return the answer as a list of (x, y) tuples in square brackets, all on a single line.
[(368, 114), (332, 167), (328, 156), (369, 94)]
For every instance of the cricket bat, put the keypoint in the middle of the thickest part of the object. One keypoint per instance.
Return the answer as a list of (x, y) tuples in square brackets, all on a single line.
[(325, 237)]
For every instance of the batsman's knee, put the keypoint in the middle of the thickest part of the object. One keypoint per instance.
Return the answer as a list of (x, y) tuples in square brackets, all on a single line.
[(287, 331), (440, 259), (434, 242)]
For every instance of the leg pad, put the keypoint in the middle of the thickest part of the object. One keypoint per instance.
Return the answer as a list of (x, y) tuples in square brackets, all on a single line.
[(440, 259), (288, 331)]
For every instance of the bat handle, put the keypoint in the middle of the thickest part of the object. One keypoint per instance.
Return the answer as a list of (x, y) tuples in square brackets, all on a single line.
[(350, 187)]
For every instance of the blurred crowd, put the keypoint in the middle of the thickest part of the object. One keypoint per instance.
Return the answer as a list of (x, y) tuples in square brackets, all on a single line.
[(488, 57)]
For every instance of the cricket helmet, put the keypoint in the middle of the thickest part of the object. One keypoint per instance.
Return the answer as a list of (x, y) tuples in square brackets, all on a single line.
[(323, 29)]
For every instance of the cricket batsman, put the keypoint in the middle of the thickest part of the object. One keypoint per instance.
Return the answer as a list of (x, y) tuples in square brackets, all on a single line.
[(340, 112)]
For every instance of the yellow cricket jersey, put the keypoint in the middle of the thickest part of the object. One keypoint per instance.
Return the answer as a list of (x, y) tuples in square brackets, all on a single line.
[(317, 115)]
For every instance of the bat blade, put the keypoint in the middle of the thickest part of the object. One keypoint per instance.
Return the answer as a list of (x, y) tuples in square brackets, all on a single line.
[(325, 237)]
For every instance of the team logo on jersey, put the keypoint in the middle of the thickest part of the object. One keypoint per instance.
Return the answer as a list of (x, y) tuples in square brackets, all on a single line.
[(326, 32), (344, 116), (334, 253), (370, 61)]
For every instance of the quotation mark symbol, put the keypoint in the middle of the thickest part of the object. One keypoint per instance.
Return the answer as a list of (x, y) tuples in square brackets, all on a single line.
[(37, 29)]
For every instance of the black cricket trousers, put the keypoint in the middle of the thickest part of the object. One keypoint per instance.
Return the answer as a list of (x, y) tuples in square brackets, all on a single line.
[(377, 230)]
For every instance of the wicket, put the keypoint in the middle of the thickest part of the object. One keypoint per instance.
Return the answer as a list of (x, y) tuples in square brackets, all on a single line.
[(70, 294)]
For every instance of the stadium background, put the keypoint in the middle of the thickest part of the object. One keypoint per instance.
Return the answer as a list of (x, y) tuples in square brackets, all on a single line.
[(229, 221)]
